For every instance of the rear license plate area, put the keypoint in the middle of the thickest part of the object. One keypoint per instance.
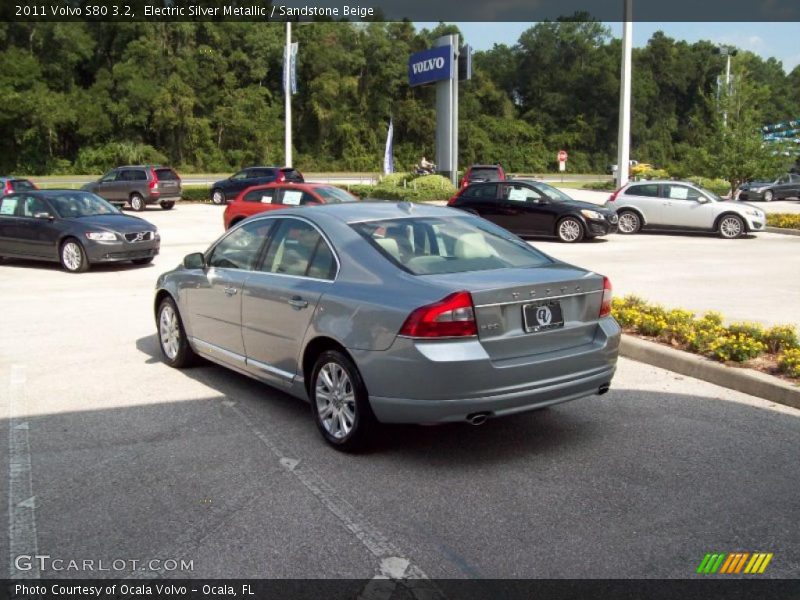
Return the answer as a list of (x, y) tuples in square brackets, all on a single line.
[(541, 316)]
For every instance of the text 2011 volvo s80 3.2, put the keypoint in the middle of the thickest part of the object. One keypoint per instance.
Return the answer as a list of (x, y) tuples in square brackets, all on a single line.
[(391, 313)]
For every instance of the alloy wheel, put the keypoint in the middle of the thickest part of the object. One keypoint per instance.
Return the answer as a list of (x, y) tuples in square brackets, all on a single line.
[(569, 230), (169, 331), (335, 400), (72, 255), (730, 227), (628, 223)]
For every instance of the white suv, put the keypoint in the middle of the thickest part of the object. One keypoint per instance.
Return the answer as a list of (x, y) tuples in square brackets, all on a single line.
[(682, 205)]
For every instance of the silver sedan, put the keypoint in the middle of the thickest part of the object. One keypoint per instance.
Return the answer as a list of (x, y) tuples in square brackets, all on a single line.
[(392, 313)]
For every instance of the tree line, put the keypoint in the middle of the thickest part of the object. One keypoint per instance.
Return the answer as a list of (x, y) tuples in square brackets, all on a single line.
[(207, 96)]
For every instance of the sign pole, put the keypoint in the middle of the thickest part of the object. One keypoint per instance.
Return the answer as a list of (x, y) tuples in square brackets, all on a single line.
[(287, 93), (624, 135)]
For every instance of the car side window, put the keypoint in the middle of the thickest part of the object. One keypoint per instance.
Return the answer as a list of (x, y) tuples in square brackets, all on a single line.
[(649, 190), (263, 173), (138, 175), (110, 176), (239, 176), (482, 192), (8, 206), (681, 192), (519, 193), (795, 178), (784, 179), (240, 249), (298, 249), (308, 199), (262, 196), (31, 205)]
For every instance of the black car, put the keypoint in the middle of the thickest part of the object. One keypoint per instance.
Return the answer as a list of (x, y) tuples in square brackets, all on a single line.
[(229, 188), (532, 209), (73, 227), (785, 186), (138, 185)]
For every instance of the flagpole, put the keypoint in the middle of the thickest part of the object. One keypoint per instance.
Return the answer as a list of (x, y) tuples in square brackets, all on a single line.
[(287, 93)]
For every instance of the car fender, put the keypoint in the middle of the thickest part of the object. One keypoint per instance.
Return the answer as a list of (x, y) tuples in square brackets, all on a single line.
[(631, 208), (727, 211)]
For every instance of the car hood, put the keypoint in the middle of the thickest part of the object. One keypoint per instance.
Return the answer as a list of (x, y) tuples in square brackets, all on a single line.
[(580, 204), (117, 223)]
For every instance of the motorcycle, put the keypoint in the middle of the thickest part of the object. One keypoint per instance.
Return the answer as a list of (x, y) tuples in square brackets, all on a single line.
[(420, 170)]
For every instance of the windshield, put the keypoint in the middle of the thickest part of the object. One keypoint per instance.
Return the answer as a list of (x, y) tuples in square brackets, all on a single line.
[(334, 195), (428, 245), (80, 204), (551, 192), (488, 174)]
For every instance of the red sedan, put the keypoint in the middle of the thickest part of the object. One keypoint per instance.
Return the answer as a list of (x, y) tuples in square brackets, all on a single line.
[(272, 196)]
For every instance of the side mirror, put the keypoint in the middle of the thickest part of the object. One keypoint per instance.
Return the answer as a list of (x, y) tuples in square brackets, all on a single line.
[(43, 215), (195, 260), (703, 200)]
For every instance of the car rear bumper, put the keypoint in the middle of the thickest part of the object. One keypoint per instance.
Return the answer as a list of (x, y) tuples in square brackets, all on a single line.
[(428, 382)]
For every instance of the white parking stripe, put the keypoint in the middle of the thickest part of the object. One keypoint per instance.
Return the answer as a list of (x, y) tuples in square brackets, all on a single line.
[(22, 539)]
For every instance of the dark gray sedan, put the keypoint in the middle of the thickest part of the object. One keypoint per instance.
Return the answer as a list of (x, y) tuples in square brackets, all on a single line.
[(75, 228), (393, 313)]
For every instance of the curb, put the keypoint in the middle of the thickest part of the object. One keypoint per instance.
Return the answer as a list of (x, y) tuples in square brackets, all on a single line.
[(743, 380), (782, 230)]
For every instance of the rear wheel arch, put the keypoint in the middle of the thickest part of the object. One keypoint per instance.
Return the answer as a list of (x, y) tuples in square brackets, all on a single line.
[(236, 221), (633, 209), (313, 350)]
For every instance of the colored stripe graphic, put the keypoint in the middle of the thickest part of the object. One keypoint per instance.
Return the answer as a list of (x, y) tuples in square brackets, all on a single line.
[(734, 563)]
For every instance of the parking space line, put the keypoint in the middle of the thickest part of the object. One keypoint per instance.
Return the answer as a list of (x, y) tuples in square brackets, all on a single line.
[(22, 538), (392, 568)]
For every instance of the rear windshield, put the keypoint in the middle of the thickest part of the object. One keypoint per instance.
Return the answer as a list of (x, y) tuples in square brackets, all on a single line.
[(490, 174), (292, 175), (166, 174), (22, 185), (429, 245), (334, 195)]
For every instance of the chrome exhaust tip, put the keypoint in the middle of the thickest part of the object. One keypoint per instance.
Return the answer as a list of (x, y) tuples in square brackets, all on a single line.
[(477, 418)]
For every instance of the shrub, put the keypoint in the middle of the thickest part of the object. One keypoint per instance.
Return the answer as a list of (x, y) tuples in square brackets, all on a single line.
[(780, 338), (789, 362), (737, 347), (601, 186), (783, 220), (396, 179), (680, 326), (751, 330), (196, 194)]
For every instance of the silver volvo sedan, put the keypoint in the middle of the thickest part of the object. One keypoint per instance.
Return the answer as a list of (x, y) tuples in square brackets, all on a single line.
[(391, 313)]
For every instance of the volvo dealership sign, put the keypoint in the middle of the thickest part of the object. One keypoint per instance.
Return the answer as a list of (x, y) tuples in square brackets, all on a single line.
[(434, 64)]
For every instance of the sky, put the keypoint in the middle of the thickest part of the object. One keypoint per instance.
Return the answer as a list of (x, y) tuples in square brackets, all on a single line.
[(779, 40)]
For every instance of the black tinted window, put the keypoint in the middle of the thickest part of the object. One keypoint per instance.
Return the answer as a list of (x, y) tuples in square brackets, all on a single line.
[(265, 196), (166, 174), (22, 185), (488, 174), (292, 175), (650, 190), (481, 191), (262, 173)]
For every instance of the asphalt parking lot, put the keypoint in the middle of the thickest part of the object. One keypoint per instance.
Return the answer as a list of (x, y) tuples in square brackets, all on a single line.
[(113, 455)]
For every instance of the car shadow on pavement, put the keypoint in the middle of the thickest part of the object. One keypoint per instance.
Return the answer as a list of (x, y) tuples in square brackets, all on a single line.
[(111, 267), (531, 433)]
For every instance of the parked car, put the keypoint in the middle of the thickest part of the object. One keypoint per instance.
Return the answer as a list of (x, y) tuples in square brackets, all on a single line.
[(75, 228), (225, 190), (533, 208), (9, 185), (785, 186), (138, 186), (478, 173), (392, 313), (684, 206), (273, 196)]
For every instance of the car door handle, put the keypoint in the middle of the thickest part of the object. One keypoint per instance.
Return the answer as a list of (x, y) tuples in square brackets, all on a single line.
[(297, 302), (230, 291)]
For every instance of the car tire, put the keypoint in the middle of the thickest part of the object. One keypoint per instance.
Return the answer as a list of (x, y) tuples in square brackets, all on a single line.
[(338, 396), (570, 230), (142, 261), (769, 196), (73, 256), (629, 222), (218, 197), (172, 338), (168, 204), (731, 227), (137, 202)]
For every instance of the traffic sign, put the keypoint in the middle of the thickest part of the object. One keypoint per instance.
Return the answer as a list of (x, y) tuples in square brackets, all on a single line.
[(562, 156)]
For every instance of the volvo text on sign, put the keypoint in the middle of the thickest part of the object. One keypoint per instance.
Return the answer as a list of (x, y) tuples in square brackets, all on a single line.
[(434, 64)]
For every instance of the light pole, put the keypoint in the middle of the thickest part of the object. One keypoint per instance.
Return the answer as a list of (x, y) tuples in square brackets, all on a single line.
[(727, 52), (624, 135)]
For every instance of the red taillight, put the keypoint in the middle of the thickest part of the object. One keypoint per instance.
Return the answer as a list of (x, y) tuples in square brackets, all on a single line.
[(281, 176), (153, 185), (453, 316), (7, 189), (605, 305), (613, 196)]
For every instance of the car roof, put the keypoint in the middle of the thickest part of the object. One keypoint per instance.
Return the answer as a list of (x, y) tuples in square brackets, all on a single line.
[(282, 184), (357, 212), (486, 167)]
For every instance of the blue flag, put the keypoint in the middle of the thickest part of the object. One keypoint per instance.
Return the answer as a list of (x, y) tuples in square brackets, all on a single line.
[(388, 155)]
